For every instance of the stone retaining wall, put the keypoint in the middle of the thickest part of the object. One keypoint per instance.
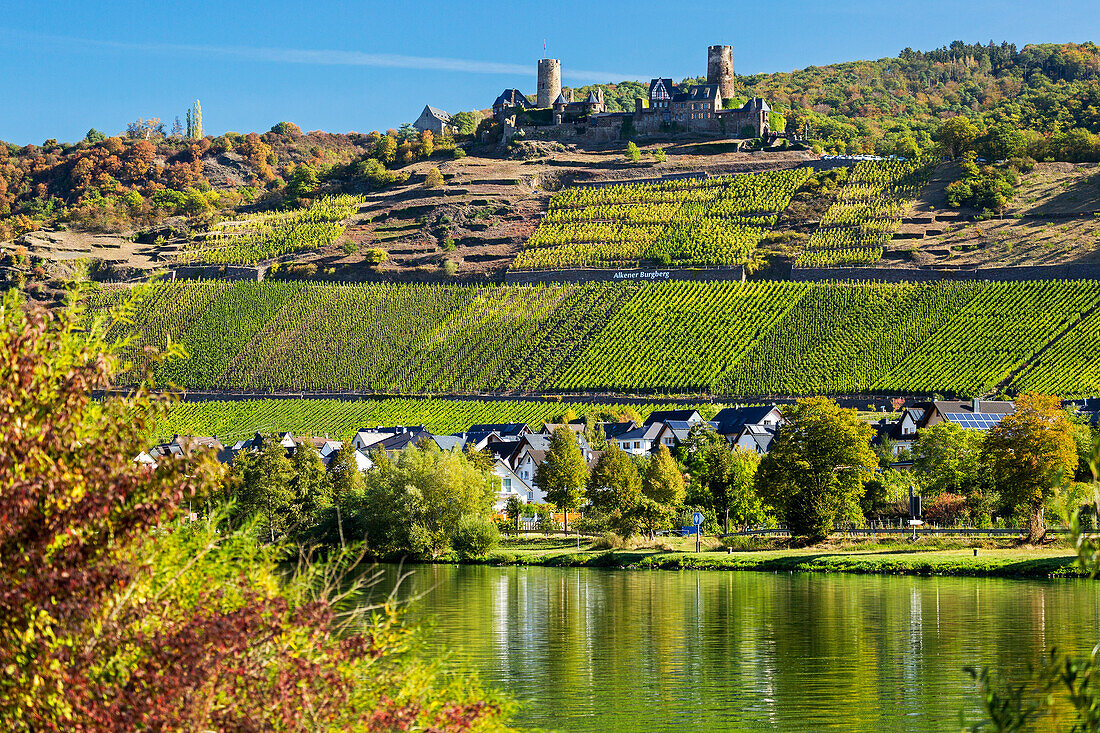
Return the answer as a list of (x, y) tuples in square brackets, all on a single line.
[(1084, 271), (220, 272), (515, 277)]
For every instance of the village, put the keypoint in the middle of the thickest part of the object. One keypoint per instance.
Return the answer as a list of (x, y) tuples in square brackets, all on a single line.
[(517, 450)]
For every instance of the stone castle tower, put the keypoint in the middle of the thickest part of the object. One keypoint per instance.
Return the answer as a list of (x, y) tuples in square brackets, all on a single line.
[(719, 70), (550, 82)]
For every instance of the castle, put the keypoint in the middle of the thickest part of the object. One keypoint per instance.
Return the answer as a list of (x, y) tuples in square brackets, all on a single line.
[(668, 109)]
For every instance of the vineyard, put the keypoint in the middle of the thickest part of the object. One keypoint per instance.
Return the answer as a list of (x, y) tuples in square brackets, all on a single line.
[(264, 236), (230, 420), (867, 211), (721, 338), (687, 222)]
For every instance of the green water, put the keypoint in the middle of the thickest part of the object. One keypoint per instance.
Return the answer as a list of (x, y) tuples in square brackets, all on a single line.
[(623, 651)]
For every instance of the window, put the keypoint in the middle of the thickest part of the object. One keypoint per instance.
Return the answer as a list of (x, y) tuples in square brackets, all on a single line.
[(637, 444), (668, 441), (507, 484)]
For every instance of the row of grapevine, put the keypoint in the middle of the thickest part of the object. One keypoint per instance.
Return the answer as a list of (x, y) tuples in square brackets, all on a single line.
[(672, 338), (685, 222), (867, 211), (264, 236), (339, 419)]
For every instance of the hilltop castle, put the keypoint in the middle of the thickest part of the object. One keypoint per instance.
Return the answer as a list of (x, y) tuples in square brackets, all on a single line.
[(668, 108)]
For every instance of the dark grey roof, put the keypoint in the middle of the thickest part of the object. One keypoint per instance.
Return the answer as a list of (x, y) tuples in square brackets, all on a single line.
[(666, 415), (592, 98), (437, 113), (509, 428), (701, 92), (402, 440), (670, 88), (731, 419), (561, 99), (756, 104), (992, 407), (615, 429), (513, 97)]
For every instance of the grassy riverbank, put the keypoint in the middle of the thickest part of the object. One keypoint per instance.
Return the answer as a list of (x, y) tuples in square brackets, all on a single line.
[(922, 557)]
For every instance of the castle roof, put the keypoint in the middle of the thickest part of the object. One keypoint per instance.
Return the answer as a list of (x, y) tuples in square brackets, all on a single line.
[(756, 104), (592, 98), (513, 97), (561, 99), (701, 92), (665, 84), (437, 113)]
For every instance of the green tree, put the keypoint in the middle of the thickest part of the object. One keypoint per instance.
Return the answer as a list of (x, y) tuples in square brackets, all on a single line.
[(653, 516), (563, 474), (467, 122), (664, 483), (1031, 456), (1003, 141), (310, 490), (957, 135), (385, 150), (614, 484), (734, 488), (94, 136), (633, 154), (814, 472), (948, 458), (261, 486), (513, 509), (303, 182), (475, 536)]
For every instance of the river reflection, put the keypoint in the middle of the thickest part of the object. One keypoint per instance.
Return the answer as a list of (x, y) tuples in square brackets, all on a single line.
[(605, 650)]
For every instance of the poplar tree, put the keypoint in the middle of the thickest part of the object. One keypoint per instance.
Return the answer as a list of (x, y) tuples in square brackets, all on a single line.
[(563, 474)]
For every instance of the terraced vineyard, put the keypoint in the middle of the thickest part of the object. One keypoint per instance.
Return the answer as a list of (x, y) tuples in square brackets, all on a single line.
[(658, 338), (867, 211), (264, 236), (687, 222), (340, 419)]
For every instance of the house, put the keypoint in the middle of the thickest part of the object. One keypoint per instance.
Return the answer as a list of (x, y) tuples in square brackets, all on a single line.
[(181, 445), (754, 437), (674, 432), (511, 485), (530, 452), (661, 92), (976, 414), (400, 441), (688, 416), (435, 121), (700, 102), (639, 441), (732, 420), (366, 437), (613, 430), (577, 426)]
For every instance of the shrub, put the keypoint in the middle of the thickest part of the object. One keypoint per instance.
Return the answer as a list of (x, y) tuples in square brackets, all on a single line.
[(607, 541), (348, 247), (449, 267), (458, 153), (475, 536), (433, 179), (946, 509), (376, 256), (659, 155), (632, 152)]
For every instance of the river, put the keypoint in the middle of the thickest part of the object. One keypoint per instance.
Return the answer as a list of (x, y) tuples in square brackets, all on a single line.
[(623, 651)]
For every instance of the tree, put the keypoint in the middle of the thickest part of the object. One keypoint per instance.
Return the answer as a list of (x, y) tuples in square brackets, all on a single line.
[(664, 483), (957, 134), (303, 182), (261, 486), (734, 488), (1031, 456), (385, 150), (1003, 141), (614, 484), (433, 178), (814, 472), (94, 136), (949, 458), (286, 128), (513, 508), (633, 154), (563, 474), (194, 122), (653, 516), (427, 143), (113, 609), (467, 122), (310, 490)]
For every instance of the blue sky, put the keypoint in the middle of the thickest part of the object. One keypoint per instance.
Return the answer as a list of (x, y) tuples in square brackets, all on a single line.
[(68, 66)]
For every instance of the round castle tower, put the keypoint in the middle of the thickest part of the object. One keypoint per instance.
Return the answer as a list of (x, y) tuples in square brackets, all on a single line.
[(719, 69), (550, 82)]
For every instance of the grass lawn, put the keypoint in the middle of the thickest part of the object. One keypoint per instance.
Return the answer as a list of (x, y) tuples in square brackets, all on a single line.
[(892, 557)]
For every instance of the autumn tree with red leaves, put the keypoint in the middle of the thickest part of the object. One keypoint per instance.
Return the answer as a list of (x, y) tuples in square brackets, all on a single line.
[(117, 615)]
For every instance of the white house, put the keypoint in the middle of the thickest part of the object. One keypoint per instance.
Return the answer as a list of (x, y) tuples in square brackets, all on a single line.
[(640, 441), (512, 485)]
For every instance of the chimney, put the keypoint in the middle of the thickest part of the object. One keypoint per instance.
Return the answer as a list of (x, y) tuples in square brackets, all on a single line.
[(976, 406)]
